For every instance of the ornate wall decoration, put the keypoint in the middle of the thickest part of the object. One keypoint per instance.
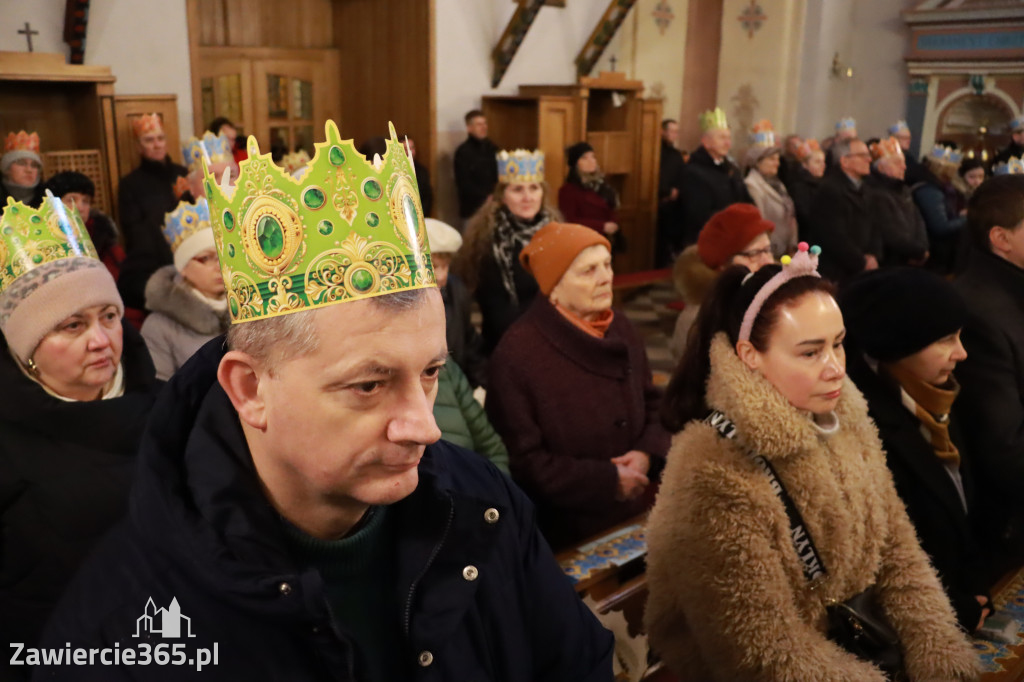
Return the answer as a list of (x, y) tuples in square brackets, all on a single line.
[(663, 16), (752, 18)]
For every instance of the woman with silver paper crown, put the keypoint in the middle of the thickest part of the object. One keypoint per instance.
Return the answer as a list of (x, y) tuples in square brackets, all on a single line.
[(186, 300), (778, 548), (78, 385), (495, 236)]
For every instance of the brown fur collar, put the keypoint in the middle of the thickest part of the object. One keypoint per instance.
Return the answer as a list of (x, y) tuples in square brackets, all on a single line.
[(767, 423), (693, 279)]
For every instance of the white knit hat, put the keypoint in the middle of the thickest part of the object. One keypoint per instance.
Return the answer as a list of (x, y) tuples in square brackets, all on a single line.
[(442, 237)]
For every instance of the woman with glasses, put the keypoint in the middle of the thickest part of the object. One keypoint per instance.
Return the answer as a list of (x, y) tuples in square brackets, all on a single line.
[(736, 235)]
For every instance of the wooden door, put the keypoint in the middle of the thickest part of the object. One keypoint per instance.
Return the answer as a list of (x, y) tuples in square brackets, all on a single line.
[(559, 127), (225, 89), (291, 104)]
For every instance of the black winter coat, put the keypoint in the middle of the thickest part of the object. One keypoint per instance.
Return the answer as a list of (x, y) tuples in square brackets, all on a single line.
[(1008, 152), (904, 237), (841, 224), (144, 197), (991, 403), (802, 186), (707, 188), (945, 529), (201, 531), (65, 470), (35, 202), (476, 173)]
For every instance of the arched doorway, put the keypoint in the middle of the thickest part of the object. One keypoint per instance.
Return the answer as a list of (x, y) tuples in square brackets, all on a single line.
[(978, 124)]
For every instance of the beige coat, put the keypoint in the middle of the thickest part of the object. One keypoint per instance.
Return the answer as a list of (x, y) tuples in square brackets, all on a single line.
[(693, 281), (777, 207), (728, 599)]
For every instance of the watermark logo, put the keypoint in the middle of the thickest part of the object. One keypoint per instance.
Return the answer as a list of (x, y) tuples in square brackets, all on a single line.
[(168, 623), (165, 622)]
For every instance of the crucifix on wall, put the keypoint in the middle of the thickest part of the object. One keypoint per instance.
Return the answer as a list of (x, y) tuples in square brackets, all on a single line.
[(28, 33)]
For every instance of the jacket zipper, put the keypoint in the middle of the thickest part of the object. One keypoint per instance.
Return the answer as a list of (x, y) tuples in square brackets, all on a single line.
[(426, 567)]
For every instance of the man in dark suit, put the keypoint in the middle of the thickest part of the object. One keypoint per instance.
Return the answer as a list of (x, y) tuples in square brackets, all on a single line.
[(476, 168), (711, 181), (992, 378), (841, 223), (670, 179)]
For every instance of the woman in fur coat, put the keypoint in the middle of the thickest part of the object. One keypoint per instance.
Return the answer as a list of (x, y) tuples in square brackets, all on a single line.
[(729, 599), (186, 300)]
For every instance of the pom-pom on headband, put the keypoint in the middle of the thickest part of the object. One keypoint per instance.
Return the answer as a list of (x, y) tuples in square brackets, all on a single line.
[(803, 264)]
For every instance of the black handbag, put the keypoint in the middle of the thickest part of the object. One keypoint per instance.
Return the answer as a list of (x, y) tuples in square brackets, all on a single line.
[(856, 624)]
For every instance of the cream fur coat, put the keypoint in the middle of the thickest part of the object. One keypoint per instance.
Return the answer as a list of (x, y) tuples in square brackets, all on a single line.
[(728, 599)]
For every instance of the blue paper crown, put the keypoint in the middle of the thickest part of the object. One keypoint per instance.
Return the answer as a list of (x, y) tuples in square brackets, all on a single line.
[(1017, 124), (1012, 167), (763, 138), (898, 127), (946, 155), (216, 148), (520, 166), (186, 220), (846, 123)]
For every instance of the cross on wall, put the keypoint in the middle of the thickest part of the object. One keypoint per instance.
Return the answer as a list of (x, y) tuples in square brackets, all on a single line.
[(28, 33)]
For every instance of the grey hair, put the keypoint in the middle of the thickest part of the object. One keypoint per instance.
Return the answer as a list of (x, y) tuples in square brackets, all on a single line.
[(842, 147), (294, 335)]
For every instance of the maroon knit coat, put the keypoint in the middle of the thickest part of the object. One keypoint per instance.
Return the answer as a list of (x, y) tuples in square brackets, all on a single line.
[(584, 207), (565, 403)]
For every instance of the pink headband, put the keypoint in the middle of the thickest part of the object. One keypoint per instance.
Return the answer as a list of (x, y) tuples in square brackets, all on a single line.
[(803, 264)]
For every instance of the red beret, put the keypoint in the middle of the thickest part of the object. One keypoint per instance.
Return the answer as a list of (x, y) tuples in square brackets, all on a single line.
[(728, 232)]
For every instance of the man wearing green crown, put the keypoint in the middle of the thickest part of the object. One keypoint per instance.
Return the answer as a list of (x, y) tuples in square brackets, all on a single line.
[(292, 500)]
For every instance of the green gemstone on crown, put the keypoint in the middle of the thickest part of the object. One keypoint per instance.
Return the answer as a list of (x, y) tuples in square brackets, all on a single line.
[(231, 250), (372, 219), (37, 259), (313, 198), (209, 191), (229, 221), (13, 209), (336, 156), (270, 236), (325, 227), (37, 232), (233, 304), (372, 190), (36, 219), (362, 280)]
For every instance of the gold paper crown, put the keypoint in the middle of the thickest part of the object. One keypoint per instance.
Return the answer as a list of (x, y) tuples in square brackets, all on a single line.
[(31, 238), (186, 220), (146, 124), (713, 119), (22, 142), (348, 228), (809, 146), (212, 148), (520, 166), (887, 147)]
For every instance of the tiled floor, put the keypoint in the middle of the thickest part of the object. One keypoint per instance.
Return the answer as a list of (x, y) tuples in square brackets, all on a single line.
[(648, 310)]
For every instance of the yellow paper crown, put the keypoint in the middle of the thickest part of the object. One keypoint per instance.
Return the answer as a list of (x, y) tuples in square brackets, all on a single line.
[(31, 238), (520, 166), (713, 120)]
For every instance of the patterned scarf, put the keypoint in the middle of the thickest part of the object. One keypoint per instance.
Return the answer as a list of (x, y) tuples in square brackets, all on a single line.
[(931, 405), (595, 183), (511, 234)]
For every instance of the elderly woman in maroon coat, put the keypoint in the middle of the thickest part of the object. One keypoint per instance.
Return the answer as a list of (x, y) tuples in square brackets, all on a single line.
[(571, 394), (586, 197)]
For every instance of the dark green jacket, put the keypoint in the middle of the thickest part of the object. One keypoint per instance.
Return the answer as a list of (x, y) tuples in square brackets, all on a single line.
[(462, 419)]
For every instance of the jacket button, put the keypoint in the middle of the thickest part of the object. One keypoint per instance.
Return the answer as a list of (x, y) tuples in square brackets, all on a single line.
[(470, 573), (284, 588), (425, 659), (491, 515)]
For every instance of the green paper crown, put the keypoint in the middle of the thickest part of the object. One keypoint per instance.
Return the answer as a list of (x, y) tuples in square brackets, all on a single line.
[(713, 119), (346, 228), (30, 238)]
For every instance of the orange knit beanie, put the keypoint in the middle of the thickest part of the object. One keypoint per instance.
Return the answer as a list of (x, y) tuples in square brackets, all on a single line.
[(553, 249)]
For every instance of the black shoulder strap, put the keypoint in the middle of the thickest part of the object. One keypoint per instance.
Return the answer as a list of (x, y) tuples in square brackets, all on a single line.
[(814, 567)]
